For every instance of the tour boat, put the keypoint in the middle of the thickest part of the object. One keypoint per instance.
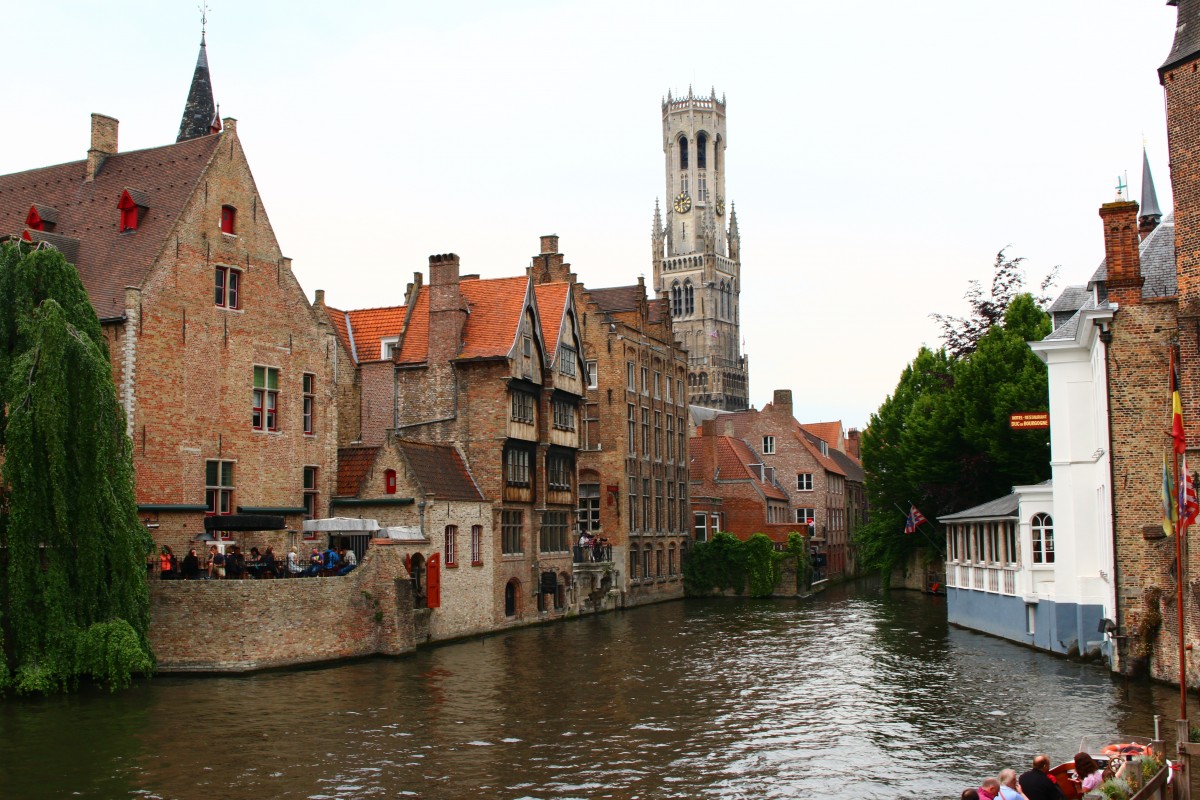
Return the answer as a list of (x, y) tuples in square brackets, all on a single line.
[(1103, 750)]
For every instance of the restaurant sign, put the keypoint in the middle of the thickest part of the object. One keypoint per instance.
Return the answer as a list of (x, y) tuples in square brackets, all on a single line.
[(1035, 420)]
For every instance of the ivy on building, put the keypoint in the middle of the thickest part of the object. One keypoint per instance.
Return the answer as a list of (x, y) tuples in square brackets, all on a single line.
[(754, 567), (74, 602)]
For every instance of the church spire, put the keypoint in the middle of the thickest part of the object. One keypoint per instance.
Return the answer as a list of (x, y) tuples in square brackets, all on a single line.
[(200, 111), (1150, 213)]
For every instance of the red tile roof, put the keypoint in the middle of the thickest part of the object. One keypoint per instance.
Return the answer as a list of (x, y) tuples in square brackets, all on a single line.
[(552, 304), (440, 471), (353, 465), (831, 432), (734, 458), (107, 259)]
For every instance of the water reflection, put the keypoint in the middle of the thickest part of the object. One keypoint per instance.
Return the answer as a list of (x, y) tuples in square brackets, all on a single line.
[(857, 695)]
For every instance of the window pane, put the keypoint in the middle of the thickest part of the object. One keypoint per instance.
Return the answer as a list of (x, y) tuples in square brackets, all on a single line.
[(210, 473)]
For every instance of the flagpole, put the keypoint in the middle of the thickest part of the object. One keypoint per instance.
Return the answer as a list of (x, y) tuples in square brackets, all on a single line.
[(1179, 533)]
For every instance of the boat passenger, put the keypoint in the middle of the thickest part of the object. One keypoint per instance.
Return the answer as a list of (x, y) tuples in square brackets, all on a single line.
[(1008, 785), (989, 789), (1037, 783), (1087, 772)]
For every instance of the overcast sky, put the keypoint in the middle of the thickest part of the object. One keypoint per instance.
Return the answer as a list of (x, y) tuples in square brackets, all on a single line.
[(879, 153)]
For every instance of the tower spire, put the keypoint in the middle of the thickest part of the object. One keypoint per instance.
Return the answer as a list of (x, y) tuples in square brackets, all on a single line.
[(200, 109), (1150, 213)]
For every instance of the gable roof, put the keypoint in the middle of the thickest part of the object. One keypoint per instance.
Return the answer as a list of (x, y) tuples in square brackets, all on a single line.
[(829, 432), (849, 465), (439, 471), (552, 307), (107, 259), (734, 458), (353, 465), (363, 330), (618, 298)]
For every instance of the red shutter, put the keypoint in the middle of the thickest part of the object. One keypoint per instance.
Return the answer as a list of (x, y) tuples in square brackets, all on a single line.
[(408, 562), (389, 480), (433, 581)]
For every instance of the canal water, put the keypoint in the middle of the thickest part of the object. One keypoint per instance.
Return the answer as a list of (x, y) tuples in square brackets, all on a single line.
[(856, 694)]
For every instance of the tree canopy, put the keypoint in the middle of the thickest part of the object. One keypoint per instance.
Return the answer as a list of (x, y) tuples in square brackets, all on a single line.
[(942, 441), (73, 595)]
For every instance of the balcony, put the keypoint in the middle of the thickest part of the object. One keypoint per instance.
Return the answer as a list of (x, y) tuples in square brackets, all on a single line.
[(592, 555)]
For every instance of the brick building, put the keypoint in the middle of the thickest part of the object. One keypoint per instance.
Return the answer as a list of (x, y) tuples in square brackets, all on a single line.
[(817, 477), (440, 521), (633, 465), (494, 368), (222, 366)]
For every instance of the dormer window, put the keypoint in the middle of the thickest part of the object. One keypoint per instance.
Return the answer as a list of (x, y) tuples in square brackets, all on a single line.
[(229, 220), (388, 347), (132, 205), (41, 218)]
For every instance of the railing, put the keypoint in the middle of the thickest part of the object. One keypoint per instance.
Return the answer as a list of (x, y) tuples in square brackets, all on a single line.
[(983, 578), (593, 554)]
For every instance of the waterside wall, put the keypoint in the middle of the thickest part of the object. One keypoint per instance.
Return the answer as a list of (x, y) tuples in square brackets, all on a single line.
[(245, 625)]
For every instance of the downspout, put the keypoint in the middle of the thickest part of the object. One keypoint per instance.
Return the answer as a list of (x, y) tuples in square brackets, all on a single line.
[(1117, 637), (421, 512)]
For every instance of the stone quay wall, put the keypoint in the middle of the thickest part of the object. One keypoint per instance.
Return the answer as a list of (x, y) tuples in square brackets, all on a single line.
[(246, 625)]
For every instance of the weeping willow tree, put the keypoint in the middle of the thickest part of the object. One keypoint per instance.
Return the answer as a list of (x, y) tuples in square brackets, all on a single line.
[(73, 596)]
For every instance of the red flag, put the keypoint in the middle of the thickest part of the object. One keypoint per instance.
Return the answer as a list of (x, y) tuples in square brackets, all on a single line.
[(913, 520)]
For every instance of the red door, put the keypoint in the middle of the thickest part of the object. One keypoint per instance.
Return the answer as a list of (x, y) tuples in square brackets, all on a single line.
[(433, 581)]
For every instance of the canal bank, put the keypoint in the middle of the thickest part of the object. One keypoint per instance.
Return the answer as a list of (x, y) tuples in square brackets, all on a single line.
[(856, 693)]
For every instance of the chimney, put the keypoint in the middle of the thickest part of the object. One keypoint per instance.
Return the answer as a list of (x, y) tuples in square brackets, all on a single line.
[(783, 401), (1124, 281), (447, 310), (549, 244), (708, 442), (852, 443), (548, 265), (104, 144), (319, 300)]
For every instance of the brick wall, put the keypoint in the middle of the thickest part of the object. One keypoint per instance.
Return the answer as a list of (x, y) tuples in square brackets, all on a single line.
[(192, 369), (236, 626)]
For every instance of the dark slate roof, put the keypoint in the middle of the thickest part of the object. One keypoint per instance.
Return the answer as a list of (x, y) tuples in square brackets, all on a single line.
[(64, 244), (353, 465), (1071, 299), (1157, 256), (849, 465), (1001, 507), (107, 259), (1149, 205), (618, 298), (200, 110), (439, 470), (701, 413), (1068, 329), (1187, 34)]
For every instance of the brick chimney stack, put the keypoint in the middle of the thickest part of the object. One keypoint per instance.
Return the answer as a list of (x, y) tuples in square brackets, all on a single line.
[(549, 265), (782, 401), (708, 442), (852, 444), (447, 309), (104, 144), (1121, 256)]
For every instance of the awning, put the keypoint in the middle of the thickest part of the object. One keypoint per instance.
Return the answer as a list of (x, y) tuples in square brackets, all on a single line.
[(340, 525), (244, 522)]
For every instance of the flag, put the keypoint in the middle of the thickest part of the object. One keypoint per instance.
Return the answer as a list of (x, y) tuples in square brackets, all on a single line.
[(1168, 500), (1188, 506), (913, 520), (1176, 409)]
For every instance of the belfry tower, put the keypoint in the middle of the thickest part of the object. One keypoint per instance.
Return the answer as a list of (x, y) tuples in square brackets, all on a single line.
[(697, 259)]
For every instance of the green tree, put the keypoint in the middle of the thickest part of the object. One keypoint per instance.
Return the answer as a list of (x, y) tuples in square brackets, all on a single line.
[(942, 440), (73, 595)]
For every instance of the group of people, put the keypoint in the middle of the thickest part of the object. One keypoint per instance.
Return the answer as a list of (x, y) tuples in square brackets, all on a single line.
[(236, 564), (593, 545), (1039, 784)]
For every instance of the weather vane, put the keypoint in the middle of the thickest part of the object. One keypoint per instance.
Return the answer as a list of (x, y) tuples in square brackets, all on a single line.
[(1121, 187), (203, 9)]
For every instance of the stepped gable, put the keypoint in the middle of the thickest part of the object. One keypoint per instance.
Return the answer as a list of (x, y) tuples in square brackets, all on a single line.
[(108, 259), (440, 471), (353, 465)]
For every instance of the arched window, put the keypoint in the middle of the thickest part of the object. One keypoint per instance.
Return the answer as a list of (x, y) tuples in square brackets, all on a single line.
[(689, 298), (683, 147), (633, 562), (1043, 538), (721, 300), (701, 151), (676, 300), (717, 154)]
